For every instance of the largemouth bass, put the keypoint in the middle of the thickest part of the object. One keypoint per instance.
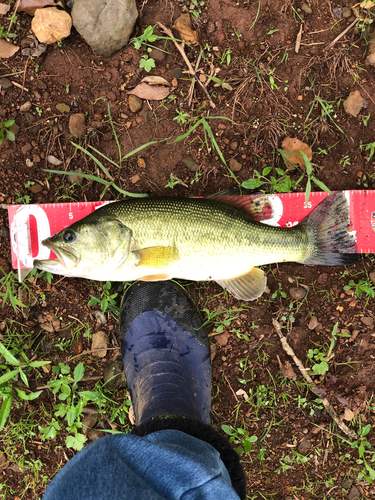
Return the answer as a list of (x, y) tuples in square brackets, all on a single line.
[(154, 239)]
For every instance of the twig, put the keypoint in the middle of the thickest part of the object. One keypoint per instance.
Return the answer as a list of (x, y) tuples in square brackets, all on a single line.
[(327, 405), (234, 394), (84, 379), (298, 40), (20, 86), (330, 45), (88, 351), (11, 74), (191, 89), (180, 48)]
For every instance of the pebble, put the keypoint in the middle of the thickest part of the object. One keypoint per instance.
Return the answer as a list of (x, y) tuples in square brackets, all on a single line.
[(322, 278), (36, 158), (40, 85), (346, 484), (14, 128), (76, 179), (235, 165), (304, 447), (100, 317), (77, 125), (354, 103), (26, 148), (306, 8), (25, 107), (95, 434), (191, 164), (89, 420), (157, 55), (51, 24), (31, 118), (346, 12), (36, 188), (114, 376), (135, 103), (99, 341), (62, 107), (5, 83), (354, 494), (372, 276), (233, 145), (368, 321), (222, 339), (297, 293), (177, 73), (53, 160), (313, 323)]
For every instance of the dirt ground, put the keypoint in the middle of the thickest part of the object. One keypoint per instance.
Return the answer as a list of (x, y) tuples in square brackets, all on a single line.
[(298, 452)]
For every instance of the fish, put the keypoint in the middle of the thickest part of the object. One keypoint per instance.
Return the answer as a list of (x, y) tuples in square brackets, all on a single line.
[(199, 239)]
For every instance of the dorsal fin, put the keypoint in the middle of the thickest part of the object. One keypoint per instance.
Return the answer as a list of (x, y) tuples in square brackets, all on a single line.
[(257, 205)]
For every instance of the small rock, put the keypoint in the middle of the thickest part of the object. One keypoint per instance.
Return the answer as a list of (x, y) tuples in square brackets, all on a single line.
[(346, 484), (62, 107), (26, 148), (233, 145), (40, 85), (51, 24), (313, 323), (372, 276), (191, 164), (95, 434), (36, 158), (222, 338), (29, 163), (368, 321), (157, 55), (135, 178), (135, 103), (35, 188), (100, 317), (53, 160), (306, 8), (76, 179), (30, 117), (354, 494), (5, 83), (28, 41), (318, 328), (337, 11), (235, 165), (99, 344), (297, 293), (322, 278), (89, 420), (77, 125), (114, 376), (346, 12), (7, 49), (177, 73), (25, 107), (105, 29), (304, 447), (354, 103)]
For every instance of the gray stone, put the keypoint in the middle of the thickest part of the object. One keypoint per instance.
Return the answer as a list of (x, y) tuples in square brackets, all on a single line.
[(190, 163), (99, 315), (354, 494), (297, 293), (346, 484), (5, 83), (114, 376), (177, 73), (105, 27), (304, 447)]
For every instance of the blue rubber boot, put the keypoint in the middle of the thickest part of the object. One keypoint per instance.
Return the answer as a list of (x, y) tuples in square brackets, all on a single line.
[(166, 353)]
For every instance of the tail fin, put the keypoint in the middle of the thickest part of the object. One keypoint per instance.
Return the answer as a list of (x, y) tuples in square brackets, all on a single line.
[(327, 226)]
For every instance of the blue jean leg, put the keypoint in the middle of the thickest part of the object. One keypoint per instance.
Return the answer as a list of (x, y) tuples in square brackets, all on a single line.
[(167, 464)]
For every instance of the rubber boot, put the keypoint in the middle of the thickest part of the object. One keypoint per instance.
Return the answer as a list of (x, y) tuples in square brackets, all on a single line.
[(166, 353)]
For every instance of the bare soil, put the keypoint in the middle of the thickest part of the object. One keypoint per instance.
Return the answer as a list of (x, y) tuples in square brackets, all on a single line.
[(262, 114)]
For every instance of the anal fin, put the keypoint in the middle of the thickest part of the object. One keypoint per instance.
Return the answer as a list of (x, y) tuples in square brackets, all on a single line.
[(157, 257), (249, 286)]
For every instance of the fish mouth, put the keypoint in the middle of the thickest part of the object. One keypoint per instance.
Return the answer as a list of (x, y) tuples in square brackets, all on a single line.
[(67, 258)]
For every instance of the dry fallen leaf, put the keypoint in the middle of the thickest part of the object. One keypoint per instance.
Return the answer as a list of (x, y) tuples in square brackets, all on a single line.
[(290, 145), (183, 26), (150, 92), (4, 8), (155, 80), (7, 49), (367, 4), (348, 415), (287, 371), (30, 6)]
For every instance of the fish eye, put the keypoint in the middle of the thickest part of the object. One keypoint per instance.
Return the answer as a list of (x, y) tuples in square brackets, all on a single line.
[(69, 236)]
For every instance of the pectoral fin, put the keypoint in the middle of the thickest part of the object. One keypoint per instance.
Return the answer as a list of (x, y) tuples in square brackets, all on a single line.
[(156, 277), (250, 286), (157, 257)]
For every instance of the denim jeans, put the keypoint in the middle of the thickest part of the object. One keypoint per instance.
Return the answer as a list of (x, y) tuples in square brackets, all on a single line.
[(167, 464)]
